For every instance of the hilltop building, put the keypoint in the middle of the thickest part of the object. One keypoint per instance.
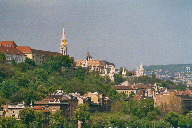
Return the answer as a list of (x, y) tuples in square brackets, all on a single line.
[(92, 64), (39, 56), (19, 53), (63, 44), (105, 68), (139, 71), (9, 48)]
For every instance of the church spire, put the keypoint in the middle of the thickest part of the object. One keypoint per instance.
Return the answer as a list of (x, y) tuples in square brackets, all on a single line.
[(63, 44), (63, 36)]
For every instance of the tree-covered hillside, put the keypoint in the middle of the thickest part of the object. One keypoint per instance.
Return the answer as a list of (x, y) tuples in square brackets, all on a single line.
[(28, 82)]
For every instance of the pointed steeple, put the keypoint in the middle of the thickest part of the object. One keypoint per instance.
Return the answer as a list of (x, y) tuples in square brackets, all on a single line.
[(63, 36), (141, 66), (63, 44)]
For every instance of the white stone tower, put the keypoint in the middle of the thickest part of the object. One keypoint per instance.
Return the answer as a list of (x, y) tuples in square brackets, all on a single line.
[(63, 44)]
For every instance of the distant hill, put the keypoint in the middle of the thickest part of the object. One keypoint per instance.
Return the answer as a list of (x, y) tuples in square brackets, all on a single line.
[(169, 70)]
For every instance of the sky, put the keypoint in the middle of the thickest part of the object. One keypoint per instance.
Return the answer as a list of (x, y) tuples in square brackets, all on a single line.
[(124, 32)]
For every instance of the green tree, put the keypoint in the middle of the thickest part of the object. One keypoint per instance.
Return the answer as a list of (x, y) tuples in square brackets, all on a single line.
[(79, 73), (51, 66), (118, 79), (6, 70), (182, 122), (2, 57), (81, 114), (57, 120), (27, 116), (116, 107), (23, 67), (161, 124), (13, 62), (10, 122), (189, 120), (134, 121), (56, 62), (28, 96), (153, 75), (30, 62), (41, 74), (172, 118), (8, 88), (39, 117), (21, 78)]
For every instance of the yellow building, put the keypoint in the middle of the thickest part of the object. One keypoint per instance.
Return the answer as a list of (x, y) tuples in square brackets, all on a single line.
[(38, 56), (125, 89)]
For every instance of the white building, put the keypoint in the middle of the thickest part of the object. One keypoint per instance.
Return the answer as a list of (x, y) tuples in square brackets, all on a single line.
[(11, 52), (139, 71)]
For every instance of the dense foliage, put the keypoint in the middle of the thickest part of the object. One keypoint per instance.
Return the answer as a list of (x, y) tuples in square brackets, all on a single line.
[(29, 82)]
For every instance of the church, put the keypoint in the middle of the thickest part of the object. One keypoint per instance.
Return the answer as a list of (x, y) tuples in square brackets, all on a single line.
[(139, 71)]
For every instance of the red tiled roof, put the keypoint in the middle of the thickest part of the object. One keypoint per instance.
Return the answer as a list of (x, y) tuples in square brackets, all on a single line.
[(142, 86), (41, 102), (131, 72), (24, 49), (169, 93), (38, 107), (9, 50), (8, 44), (137, 98)]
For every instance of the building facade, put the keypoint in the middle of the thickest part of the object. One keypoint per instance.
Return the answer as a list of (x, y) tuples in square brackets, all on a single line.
[(9, 48), (13, 109), (58, 101)]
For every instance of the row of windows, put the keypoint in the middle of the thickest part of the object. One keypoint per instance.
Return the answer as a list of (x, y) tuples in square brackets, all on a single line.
[(126, 92), (39, 57), (96, 69), (16, 59), (6, 45)]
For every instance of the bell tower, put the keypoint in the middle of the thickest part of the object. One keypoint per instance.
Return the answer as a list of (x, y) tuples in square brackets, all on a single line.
[(63, 44)]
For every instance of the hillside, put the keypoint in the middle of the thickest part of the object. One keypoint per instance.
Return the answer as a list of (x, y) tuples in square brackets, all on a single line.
[(169, 71)]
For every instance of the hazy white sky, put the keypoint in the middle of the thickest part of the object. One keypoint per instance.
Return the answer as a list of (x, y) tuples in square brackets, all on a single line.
[(123, 32)]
